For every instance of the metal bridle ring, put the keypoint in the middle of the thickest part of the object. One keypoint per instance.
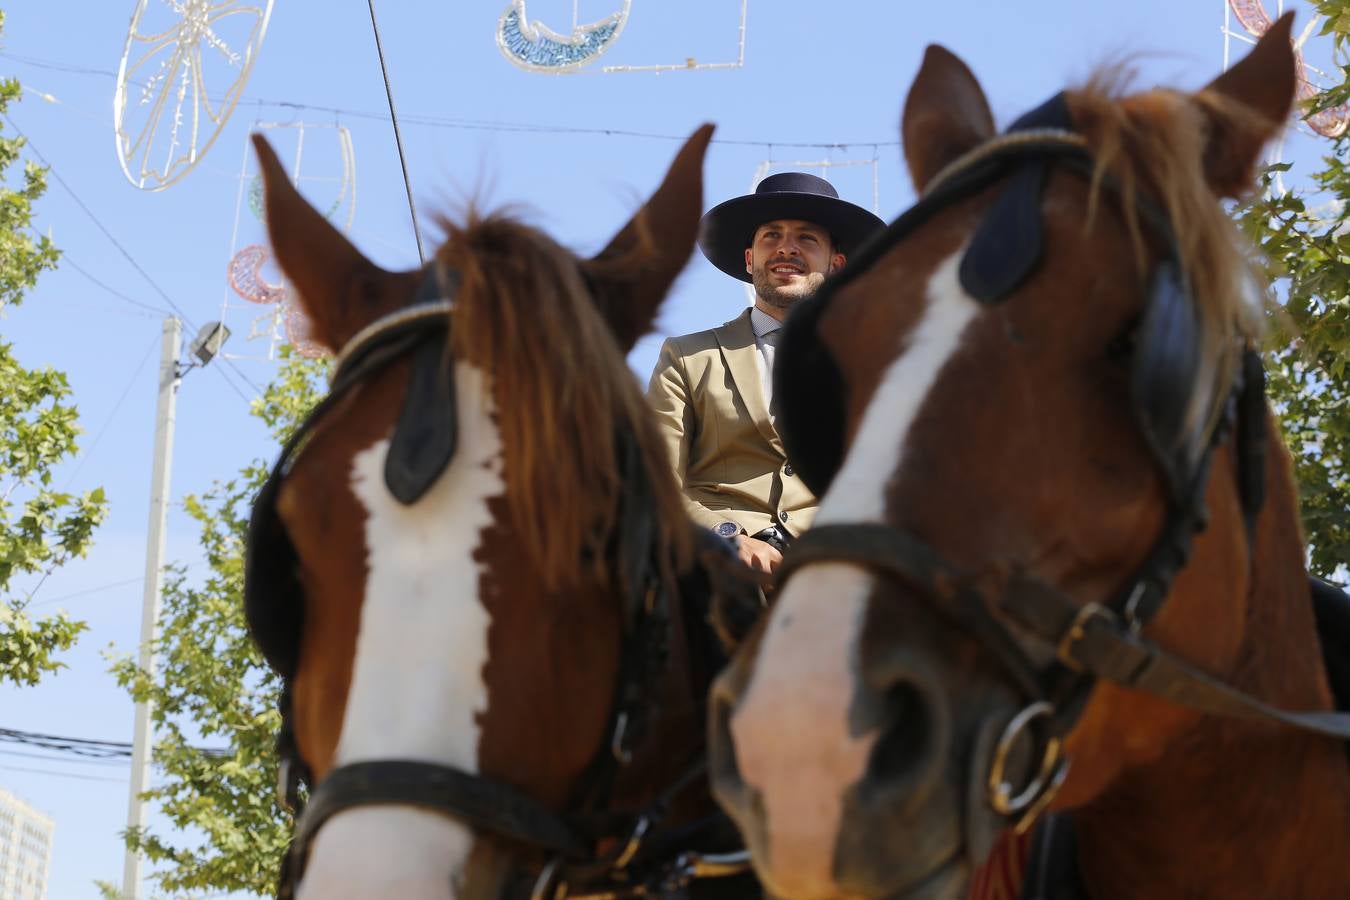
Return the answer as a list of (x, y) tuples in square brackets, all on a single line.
[(1001, 796), (549, 885)]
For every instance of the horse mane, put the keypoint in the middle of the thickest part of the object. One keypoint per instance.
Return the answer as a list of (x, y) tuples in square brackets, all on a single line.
[(524, 312), (1157, 142)]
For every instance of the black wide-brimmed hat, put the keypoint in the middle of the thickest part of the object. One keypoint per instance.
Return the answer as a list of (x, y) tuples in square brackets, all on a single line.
[(728, 228)]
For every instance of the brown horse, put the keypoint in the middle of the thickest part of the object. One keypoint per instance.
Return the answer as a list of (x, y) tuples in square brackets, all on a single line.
[(463, 566), (1023, 404)]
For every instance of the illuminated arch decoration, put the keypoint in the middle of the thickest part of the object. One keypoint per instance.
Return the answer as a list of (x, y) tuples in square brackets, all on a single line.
[(691, 64), (535, 47), (183, 69), (346, 179), (321, 160), (1255, 21)]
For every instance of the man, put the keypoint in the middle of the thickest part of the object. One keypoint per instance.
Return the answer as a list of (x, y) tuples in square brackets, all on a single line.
[(712, 390)]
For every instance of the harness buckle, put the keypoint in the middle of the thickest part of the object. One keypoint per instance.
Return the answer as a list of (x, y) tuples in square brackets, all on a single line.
[(618, 744), (550, 885), (690, 866), (1077, 630)]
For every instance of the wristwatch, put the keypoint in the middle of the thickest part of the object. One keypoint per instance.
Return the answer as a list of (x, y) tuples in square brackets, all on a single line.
[(727, 530)]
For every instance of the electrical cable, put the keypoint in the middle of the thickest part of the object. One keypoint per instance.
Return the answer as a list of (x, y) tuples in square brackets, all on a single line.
[(129, 258), (84, 457), (67, 261), (87, 747), (93, 590), (398, 138), (72, 775), (484, 125)]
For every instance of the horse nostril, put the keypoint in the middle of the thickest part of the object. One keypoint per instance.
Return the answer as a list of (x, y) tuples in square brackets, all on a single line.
[(906, 735)]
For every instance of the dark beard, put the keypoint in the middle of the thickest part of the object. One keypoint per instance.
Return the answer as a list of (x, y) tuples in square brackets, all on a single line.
[(783, 298)]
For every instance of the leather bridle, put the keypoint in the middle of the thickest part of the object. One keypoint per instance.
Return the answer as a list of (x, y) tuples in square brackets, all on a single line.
[(1092, 641), (634, 867)]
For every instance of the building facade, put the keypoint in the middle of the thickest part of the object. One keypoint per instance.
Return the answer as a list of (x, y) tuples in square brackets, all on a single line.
[(25, 849)]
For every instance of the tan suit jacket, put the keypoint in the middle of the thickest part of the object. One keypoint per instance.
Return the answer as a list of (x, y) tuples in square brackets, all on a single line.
[(709, 401)]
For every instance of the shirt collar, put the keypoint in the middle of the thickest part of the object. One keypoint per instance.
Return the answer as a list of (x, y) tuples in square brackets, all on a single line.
[(762, 322)]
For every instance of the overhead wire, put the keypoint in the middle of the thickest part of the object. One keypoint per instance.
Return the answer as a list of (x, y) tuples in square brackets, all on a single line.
[(72, 775), (67, 261), (87, 591), (84, 457), (486, 125), (110, 762), (130, 259), (87, 747), (28, 601)]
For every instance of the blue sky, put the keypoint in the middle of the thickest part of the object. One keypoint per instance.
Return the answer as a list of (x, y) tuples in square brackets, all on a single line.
[(820, 81)]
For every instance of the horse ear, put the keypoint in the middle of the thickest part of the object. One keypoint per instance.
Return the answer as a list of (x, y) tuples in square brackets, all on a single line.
[(321, 264), (631, 276), (1263, 83), (945, 115)]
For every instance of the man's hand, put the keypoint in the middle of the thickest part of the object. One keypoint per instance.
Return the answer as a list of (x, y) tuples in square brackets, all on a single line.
[(758, 554)]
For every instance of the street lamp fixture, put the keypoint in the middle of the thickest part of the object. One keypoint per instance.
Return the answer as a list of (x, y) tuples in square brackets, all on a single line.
[(208, 342)]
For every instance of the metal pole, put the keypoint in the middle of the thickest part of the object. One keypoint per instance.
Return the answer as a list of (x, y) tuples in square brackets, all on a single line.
[(154, 566)]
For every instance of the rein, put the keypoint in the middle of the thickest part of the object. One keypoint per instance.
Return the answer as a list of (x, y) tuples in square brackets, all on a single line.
[(1091, 641), (423, 443)]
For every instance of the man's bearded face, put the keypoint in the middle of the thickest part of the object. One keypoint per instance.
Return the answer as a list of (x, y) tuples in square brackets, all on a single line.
[(788, 260)]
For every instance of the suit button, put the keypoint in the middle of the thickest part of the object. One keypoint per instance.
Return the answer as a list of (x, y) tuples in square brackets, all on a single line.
[(787, 470), (782, 517)]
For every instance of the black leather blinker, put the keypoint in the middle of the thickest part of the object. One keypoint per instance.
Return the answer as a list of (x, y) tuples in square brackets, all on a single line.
[(1007, 245), (1164, 377), (427, 431)]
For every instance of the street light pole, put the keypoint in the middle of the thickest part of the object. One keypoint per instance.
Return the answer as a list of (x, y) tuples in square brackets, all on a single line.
[(169, 378)]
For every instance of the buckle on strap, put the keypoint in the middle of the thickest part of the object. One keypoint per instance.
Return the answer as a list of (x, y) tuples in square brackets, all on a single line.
[(1067, 647)]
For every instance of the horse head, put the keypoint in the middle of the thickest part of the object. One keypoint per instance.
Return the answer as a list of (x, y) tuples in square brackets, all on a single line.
[(1016, 406), (462, 564)]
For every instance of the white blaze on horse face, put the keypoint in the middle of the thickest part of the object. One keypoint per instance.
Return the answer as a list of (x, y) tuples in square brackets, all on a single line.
[(417, 681), (857, 493), (791, 732)]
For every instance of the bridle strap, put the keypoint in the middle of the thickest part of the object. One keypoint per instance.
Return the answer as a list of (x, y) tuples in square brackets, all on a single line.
[(880, 547), (1089, 639), (1098, 642), (477, 801)]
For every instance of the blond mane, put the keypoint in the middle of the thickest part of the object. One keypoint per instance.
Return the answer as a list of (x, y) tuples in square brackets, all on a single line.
[(1157, 142), (563, 393)]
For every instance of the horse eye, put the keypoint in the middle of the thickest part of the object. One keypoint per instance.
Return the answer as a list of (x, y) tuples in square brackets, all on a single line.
[(1121, 347)]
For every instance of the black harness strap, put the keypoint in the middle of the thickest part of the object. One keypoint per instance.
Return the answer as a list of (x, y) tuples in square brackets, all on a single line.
[(478, 801)]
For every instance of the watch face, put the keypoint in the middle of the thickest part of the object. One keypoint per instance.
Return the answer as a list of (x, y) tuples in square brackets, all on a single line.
[(728, 529)]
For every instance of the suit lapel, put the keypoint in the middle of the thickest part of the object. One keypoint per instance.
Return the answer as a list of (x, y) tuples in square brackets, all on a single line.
[(737, 341)]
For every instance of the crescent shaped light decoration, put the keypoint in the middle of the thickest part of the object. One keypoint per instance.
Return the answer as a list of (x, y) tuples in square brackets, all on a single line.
[(246, 277), (183, 70), (535, 47), (300, 330), (1332, 122)]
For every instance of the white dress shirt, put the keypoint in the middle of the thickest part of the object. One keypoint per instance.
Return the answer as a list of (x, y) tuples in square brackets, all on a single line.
[(767, 331)]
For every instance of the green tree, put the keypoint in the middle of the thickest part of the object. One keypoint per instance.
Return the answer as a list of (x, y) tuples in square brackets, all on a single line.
[(227, 830), (41, 528), (1302, 234)]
